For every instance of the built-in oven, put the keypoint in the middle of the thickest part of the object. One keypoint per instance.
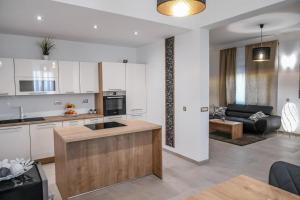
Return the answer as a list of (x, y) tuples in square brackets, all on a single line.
[(114, 103)]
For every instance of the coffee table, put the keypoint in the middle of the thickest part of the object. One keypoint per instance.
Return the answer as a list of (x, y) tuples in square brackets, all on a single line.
[(230, 127)]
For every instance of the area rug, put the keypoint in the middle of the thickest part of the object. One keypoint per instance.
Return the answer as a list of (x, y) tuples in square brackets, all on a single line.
[(245, 140)]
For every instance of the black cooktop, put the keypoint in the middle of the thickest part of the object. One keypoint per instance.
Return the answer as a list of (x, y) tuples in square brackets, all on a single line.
[(104, 125), (11, 121)]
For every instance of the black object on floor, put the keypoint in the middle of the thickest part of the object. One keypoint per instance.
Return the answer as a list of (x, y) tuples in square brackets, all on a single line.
[(104, 125), (28, 186), (285, 176), (245, 140)]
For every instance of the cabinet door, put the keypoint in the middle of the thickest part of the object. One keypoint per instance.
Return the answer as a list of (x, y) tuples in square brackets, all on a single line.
[(113, 75), (93, 121), (36, 68), (7, 77), (136, 88), (68, 77), (115, 118), (89, 81), (136, 117), (73, 123), (14, 142), (42, 140)]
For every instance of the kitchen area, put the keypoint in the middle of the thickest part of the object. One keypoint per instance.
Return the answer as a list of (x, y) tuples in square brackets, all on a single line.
[(115, 91)]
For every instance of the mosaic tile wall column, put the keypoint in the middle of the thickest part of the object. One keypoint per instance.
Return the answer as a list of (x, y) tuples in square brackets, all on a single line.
[(169, 87)]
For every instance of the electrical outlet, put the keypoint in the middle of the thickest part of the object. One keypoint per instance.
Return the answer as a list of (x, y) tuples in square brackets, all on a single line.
[(85, 101), (57, 103), (184, 108)]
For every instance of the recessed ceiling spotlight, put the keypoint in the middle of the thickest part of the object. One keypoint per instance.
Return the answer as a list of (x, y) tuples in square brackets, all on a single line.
[(136, 33), (39, 18), (95, 26)]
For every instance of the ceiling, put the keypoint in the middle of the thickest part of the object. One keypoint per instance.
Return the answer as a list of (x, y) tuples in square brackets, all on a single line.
[(117, 19), (278, 20), (217, 10), (63, 21)]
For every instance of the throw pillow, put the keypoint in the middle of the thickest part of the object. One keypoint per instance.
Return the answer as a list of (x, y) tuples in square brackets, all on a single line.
[(257, 116), (220, 111)]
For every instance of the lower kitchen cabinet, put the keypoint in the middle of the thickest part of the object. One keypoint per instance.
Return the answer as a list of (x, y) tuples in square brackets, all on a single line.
[(137, 116), (93, 121), (42, 140), (73, 123), (14, 142), (115, 118)]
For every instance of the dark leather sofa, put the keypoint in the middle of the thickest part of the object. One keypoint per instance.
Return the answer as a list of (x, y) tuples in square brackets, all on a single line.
[(241, 113)]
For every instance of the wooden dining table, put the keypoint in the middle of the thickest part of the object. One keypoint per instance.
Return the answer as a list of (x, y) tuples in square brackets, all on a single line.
[(243, 188)]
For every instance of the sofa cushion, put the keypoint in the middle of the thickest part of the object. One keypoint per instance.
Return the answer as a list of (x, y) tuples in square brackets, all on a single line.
[(238, 114), (250, 108)]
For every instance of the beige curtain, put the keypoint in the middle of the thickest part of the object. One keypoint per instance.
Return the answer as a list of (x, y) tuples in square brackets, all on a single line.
[(227, 87), (262, 77)]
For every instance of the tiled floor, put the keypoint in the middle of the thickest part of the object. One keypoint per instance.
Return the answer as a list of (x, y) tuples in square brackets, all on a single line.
[(183, 178)]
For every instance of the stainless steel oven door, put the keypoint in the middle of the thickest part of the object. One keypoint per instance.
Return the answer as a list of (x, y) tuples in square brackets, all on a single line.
[(114, 105)]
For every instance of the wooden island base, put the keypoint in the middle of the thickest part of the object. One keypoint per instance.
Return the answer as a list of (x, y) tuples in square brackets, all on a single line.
[(117, 155)]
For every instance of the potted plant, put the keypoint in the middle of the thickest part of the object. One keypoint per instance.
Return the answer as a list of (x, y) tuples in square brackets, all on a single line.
[(47, 45)]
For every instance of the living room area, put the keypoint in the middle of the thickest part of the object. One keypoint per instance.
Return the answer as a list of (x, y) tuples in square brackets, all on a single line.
[(254, 76)]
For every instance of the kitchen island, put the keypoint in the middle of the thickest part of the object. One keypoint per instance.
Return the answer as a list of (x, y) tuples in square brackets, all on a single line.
[(86, 160)]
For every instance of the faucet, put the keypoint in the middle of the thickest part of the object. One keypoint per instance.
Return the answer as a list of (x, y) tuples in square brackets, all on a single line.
[(21, 112)]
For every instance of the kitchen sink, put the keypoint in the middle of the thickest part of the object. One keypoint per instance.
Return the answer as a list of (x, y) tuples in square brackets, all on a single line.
[(11, 121)]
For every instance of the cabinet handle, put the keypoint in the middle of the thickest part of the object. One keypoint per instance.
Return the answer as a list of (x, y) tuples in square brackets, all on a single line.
[(46, 125), (4, 94), (7, 129), (115, 89), (69, 92), (136, 109), (90, 91)]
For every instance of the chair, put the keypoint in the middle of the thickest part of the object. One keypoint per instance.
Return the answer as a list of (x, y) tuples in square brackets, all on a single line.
[(285, 176)]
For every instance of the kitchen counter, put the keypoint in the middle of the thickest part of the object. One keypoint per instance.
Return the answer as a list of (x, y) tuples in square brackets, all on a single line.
[(87, 159), (54, 119)]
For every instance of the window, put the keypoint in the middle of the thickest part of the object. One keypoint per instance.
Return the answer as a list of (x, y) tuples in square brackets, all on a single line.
[(240, 76)]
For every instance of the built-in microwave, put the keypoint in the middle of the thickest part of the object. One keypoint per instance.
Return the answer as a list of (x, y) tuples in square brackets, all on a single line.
[(36, 86), (114, 103)]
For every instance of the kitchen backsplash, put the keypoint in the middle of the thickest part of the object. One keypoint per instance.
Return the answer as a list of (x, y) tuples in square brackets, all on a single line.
[(44, 105)]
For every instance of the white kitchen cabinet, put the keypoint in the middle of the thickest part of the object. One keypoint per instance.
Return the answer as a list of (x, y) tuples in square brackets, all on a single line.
[(93, 121), (14, 142), (113, 75), (136, 117), (42, 140), (115, 118), (68, 73), (89, 77), (73, 123), (136, 93), (7, 77), (36, 68)]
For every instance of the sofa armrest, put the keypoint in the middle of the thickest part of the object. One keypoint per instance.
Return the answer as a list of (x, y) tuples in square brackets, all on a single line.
[(268, 124)]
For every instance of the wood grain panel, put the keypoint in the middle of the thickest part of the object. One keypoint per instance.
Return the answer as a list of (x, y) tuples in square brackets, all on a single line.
[(99, 96), (243, 187), (106, 161)]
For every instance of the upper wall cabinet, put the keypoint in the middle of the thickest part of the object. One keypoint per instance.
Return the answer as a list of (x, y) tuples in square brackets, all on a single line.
[(89, 81), (113, 76), (36, 68), (136, 89), (68, 77), (7, 79), (36, 77)]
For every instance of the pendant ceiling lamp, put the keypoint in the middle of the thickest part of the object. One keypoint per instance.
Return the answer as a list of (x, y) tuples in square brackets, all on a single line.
[(180, 8), (261, 53)]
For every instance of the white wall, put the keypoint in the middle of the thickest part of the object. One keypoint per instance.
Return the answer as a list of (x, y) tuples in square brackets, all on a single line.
[(288, 77), (28, 47), (16, 46), (191, 90)]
